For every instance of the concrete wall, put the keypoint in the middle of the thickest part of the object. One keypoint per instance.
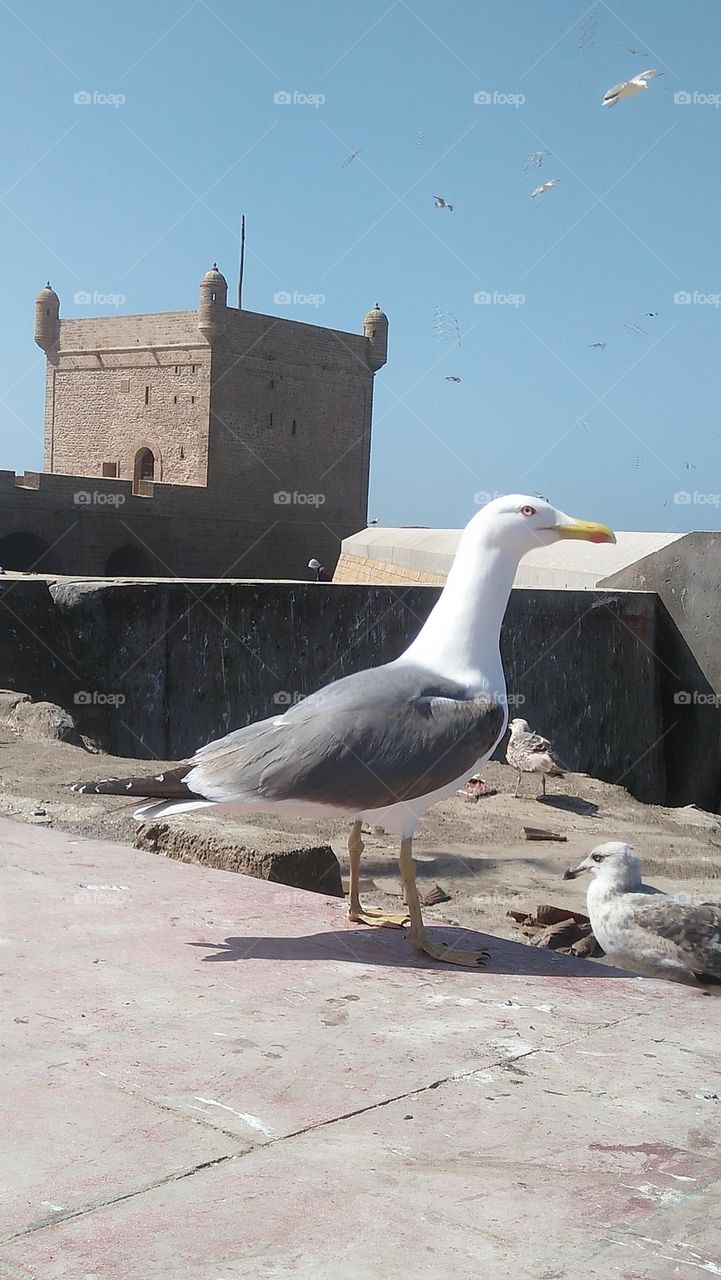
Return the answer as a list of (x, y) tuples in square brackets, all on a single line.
[(192, 661)]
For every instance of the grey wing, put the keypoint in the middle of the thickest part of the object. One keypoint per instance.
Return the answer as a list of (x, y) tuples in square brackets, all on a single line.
[(534, 743), (368, 741), (695, 928), (610, 94)]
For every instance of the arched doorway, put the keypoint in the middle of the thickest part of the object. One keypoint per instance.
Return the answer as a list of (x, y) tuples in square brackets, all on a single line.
[(23, 551), (144, 468), (129, 561)]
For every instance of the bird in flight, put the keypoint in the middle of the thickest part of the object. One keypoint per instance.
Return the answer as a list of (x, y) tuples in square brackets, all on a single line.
[(452, 378), (635, 328), (637, 53), (536, 158), (628, 88), (600, 345), (351, 157), (440, 203), (546, 186)]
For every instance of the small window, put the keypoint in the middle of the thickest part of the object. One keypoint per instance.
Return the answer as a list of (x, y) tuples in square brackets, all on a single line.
[(175, 399), (292, 430), (110, 470), (177, 368), (147, 395), (270, 420), (192, 399), (125, 384), (193, 368), (182, 452)]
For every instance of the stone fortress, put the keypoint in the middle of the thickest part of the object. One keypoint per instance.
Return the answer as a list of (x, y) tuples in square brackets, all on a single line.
[(210, 443)]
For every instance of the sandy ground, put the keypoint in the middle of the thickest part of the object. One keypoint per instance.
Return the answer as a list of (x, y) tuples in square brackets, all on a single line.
[(474, 850)]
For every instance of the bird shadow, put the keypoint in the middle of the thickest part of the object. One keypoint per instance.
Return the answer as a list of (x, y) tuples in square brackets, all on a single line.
[(392, 949), (570, 804)]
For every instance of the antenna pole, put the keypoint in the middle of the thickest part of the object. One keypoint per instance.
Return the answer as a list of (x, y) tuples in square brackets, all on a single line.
[(242, 262)]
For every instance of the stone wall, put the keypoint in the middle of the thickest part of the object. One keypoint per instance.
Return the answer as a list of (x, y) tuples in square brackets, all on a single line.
[(191, 661)]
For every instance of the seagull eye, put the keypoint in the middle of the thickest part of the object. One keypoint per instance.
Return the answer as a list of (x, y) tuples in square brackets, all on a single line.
[(528, 511), (597, 857)]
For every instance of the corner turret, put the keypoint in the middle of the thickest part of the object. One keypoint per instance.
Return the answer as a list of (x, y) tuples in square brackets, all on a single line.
[(375, 328), (213, 303), (47, 318)]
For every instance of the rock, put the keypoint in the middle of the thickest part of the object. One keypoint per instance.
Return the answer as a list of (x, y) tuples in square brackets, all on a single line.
[(691, 816), (434, 896), (9, 700), (43, 722), (261, 852)]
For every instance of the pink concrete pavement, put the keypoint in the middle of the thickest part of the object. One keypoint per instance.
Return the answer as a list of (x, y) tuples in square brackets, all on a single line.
[(207, 1077)]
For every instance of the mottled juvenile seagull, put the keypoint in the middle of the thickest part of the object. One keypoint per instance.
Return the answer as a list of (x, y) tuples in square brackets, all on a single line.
[(440, 203), (382, 746), (528, 752), (643, 929)]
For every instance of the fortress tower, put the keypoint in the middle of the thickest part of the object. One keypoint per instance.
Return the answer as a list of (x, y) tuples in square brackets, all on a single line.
[(270, 417)]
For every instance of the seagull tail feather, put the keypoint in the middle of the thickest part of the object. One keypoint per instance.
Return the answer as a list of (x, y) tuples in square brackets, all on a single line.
[(167, 784)]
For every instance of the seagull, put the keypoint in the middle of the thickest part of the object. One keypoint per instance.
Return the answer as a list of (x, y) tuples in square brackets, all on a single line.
[(383, 745), (628, 87), (451, 377), (546, 186), (528, 752), (351, 157), (536, 158), (440, 203), (600, 345), (636, 328), (643, 929), (637, 53), (651, 314)]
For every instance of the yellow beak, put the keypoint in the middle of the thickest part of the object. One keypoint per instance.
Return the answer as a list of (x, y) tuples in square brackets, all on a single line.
[(587, 530)]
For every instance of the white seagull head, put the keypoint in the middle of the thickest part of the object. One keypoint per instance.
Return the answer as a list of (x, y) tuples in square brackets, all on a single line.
[(616, 863), (521, 522), (519, 726)]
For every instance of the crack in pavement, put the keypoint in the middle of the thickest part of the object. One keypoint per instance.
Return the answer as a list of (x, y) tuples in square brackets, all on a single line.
[(245, 1150)]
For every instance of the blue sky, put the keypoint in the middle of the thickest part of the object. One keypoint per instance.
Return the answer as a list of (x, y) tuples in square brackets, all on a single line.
[(138, 199)]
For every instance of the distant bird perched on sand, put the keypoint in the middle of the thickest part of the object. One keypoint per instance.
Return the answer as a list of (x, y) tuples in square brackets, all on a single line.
[(440, 203), (546, 186), (628, 88), (643, 929), (451, 377), (528, 752)]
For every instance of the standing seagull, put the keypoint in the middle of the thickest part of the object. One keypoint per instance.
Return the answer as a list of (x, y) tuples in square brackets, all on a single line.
[(643, 929), (528, 752), (628, 88), (440, 203), (383, 745)]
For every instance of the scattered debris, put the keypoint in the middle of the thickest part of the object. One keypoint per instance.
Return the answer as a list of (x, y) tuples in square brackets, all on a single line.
[(558, 929), (539, 833), (434, 896), (475, 788)]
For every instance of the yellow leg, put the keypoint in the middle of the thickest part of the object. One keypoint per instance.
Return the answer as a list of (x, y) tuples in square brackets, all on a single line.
[(438, 950), (356, 911)]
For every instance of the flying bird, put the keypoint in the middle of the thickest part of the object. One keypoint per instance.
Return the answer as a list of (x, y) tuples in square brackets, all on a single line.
[(600, 345), (637, 53), (628, 88), (451, 377), (536, 158), (383, 745), (636, 328), (651, 314), (351, 157), (643, 929), (440, 203), (546, 186), (528, 752)]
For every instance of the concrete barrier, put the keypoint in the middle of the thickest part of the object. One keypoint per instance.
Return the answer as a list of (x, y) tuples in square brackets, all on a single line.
[(156, 669)]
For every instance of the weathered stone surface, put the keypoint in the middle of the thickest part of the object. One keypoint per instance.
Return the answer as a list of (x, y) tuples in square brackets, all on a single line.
[(9, 700), (264, 853), (43, 721)]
